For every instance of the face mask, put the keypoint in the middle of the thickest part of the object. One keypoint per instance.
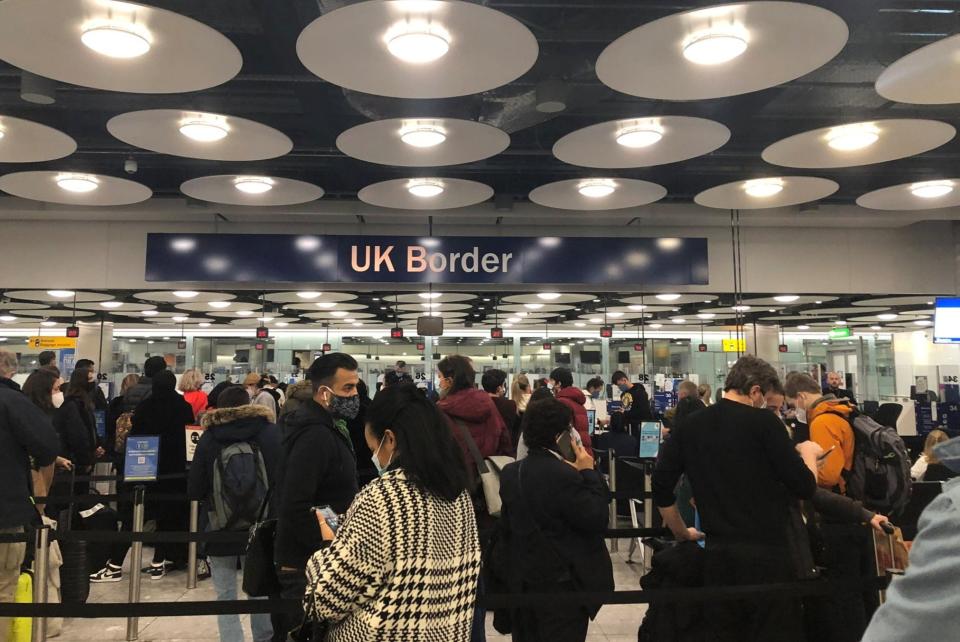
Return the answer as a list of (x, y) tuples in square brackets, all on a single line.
[(344, 407), (57, 399), (624, 387), (550, 385), (595, 394), (376, 461), (802, 415)]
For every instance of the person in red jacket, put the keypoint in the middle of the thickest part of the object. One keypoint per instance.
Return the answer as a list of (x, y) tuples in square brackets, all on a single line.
[(563, 389)]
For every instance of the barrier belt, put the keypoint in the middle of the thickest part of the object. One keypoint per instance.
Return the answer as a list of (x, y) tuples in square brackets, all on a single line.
[(636, 493), (114, 477), (117, 497), (637, 532)]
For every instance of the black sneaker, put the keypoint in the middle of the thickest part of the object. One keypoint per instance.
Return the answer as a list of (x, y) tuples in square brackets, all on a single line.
[(108, 573), (157, 571), (166, 564)]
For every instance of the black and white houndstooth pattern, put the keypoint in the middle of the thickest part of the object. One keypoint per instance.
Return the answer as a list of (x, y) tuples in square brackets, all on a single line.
[(403, 568)]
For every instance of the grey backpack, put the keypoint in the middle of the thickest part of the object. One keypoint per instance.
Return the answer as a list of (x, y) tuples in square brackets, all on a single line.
[(880, 476), (239, 487)]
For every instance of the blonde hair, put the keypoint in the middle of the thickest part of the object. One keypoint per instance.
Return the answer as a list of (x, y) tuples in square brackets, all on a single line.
[(190, 380), (521, 386), (128, 381), (935, 437), (706, 393)]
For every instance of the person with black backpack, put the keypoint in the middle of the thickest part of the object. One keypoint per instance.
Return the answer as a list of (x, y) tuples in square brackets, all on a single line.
[(233, 470)]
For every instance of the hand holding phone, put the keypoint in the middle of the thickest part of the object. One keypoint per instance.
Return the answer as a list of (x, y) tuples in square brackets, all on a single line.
[(328, 520), (826, 453)]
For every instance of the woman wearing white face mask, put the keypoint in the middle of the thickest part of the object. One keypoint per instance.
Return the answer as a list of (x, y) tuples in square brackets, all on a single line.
[(405, 562), (42, 387)]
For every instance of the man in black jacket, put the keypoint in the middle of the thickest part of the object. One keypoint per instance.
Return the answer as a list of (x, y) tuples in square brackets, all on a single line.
[(143, 388), (25, 433), (318, 468)]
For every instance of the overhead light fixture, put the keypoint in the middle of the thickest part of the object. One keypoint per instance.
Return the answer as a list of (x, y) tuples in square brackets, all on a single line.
[(580, 324), (763, 187), (244, 313), (220, 305), (425, 187), (597, 188), (549, 296), (116, 40), (637, 308), (2, 134), (309, 295), (48, 324), (185, 294), (818, 302), (668, 297), (326, 305), (281, 324), (533, 306), (678, 320), (6, 318), (656, 326), (740, 308), (149, 313), (61, 294), (110, 304), (931, 189), (706, 315), (204, 325), (923, 322), (514, 319), (422, 135), (849, 138), (715, 46), (803, 327), (339, 314), (890, 316), (418, 41), (253, 184), (640, 135), (876, 327), (133, 340), (78, 183), (264, 319), (430, 295), (204, 128), (786, 298), (178, 319)]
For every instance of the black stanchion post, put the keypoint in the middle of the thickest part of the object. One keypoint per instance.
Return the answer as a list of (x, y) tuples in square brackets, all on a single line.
[(611, 456), (41, 562), (647, 509), (192, 546), (136, 560)]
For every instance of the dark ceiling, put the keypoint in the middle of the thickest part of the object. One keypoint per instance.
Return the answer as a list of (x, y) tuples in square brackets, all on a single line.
[(275, 88)]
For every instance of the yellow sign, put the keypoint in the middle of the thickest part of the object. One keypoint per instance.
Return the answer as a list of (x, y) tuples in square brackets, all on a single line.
[(51, 343), (734, 345)]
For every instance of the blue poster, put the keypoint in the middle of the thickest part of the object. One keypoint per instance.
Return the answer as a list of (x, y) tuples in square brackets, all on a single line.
[(101, 418), (142, 460), (649, 439)]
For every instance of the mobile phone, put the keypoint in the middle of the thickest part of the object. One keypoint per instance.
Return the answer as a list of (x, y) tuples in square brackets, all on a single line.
[(564, 444), (329, 515), (826, 453)]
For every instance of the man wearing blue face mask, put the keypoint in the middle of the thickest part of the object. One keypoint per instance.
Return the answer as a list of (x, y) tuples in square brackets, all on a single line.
[(318, 469), (595, 402)]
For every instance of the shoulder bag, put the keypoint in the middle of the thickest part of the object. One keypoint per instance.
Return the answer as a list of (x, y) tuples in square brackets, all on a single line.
[(259, 573), (489, 470)]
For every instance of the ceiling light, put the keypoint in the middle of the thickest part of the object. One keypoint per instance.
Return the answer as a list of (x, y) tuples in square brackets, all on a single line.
[(890, 316), (6, 318), (111, 304), (178, 319), (61, 294), (326, 305), (430, 295), (706, 315), (308, 295), (740, 308), (597, 188), (48, 324), (514, 319), (533, 306), (418, 41), (876, 327), (150, 342), (253, 184), (166, 338), (264, 319), (923, 322), (79, 183), (818, 302), (580, 324), (678, 320), (2, 134), (803, 327), (133, 340), (116, 40), (423, 135), (357, 324), (425, 187), (204, 128), (640, 136), (339, 314), (849, 138), (595, 320), (771, 310), (204, 325), (149, 313), (219, 304), (715, 46), (931, 189), (549, 296), (656, 326), (786, 298), (281, 324), (763, 187), (244, 313), (614, 315), (668, 297), (185, 294), (637, 308)]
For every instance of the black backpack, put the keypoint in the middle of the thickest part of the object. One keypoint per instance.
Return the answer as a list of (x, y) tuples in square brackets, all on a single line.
[(880, 475), (240, 485)]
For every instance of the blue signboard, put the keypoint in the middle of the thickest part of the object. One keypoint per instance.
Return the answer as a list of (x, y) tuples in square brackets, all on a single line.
[(101, 417), (142, 460), (410, 259), (649, 439)]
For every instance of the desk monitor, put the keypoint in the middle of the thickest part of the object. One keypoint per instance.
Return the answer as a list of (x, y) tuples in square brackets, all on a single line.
[(649, 439), (591, 420)]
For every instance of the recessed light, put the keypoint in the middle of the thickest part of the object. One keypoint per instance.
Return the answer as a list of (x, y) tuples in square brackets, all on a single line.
[(890, 316), (48, 324), (549, 296), (580, 324), (425, 187), (178, 319), (339, 314), (533, 306), (420, 135), (656, 326), (185, 294), (149, 313), (133, 340), (931, 189), (253, 184), (78, 183), (326, 305), (849, 138), (244, 313), (637, 136), (204, 325), (204, 128), (111, 304), (430, 295), (418, 41), (740, 308), (116, 40), (668, 297), (803, 327), (929, 302), (264, 319), (61, 294), (309, 295), (715, 46), (166, 338), (637, 308), (763, 187), (786, 298), (772, 310), (923, 322), (281, 324), (597, 188), (678, 320), (6, 318), (2, 134), (220, 305), (706, 315), (818, 302)]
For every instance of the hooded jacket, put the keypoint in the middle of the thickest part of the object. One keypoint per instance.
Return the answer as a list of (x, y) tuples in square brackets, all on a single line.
[(317, 469), (137, 393), (222, 427), (573, 398), (476, 410), (636, 405), (297, 395), (828, 418)]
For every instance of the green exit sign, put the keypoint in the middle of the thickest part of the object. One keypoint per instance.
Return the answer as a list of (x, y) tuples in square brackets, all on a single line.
[(840, 333)]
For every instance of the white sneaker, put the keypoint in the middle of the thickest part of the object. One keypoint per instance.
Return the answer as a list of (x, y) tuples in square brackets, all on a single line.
[(108, 573)]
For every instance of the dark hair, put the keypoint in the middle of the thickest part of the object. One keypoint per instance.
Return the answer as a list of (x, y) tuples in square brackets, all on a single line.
[(562, 376), (46, 357), (617, 376), (391, 378), (273, 379), (154, 365), (543, 421), (750, 371), (596, 382), (51, 368), (324, 369), (84, 363), (493, 379), (800, 382), (165, 381), (540, 394), (362, 389), (79, 387), (232, 397), (39, 387), (426, 450), (460, 369)]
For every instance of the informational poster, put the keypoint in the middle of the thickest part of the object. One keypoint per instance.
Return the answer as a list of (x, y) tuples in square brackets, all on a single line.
[(194, 433), (649, 439), (591, 420), (101, 418), (142, 459)]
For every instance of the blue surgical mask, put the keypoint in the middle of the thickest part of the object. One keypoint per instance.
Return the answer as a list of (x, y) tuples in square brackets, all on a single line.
[(381, 470), (595, 394), (624, 387)]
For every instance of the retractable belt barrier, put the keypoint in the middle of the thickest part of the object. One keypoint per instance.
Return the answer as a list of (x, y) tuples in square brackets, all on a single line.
[(114, 477)]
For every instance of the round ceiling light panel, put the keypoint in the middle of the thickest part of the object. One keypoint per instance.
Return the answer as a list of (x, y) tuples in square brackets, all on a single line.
[(24, 141), (422, 142), (425, 193), (116, 46), (597, 194), (863, 143), (203, 135), (922, 299), (436, 297), (765, 193), (724, 50), (233, 189), (641, 142), (805, 299), (73, 188), (681, 299), (55, 296), (923, 77), (417, 48), (309, 302), (564, 297), (920, 195), (166, 296)]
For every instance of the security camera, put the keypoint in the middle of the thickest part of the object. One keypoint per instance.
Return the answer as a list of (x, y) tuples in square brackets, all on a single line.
[(130, 166)]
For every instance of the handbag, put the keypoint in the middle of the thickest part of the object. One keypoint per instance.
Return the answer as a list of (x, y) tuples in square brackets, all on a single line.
[(489, 470), (259, 573)]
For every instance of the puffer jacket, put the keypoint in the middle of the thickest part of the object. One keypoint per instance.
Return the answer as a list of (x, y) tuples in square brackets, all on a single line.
[(476, 410), (828, 418), (573, 398), (297, 394)]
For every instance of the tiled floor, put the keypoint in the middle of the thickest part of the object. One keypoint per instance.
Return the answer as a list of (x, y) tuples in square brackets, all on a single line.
[(615, 623)]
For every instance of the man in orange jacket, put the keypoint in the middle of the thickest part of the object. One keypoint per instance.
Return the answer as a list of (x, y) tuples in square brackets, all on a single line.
[(828, 419)]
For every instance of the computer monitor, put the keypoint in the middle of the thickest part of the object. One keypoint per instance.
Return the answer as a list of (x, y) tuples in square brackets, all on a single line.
[(591, 420)]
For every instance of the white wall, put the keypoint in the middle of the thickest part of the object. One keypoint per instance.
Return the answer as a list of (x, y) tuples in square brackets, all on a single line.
[(915, 355)]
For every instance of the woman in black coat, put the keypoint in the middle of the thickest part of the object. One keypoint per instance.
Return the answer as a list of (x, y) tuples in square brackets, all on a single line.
[(552, 524), (76, 424)]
